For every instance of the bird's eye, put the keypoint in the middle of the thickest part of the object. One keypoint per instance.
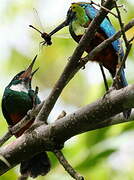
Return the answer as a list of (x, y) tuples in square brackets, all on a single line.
[(16, 77)]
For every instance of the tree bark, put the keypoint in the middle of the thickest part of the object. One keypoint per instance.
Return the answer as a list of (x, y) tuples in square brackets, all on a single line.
[(49, 137)]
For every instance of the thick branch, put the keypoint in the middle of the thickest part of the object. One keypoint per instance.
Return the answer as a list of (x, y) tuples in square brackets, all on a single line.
[(90, 117)]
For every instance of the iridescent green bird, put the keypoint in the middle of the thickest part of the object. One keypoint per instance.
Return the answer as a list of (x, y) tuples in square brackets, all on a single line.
[(17, 99), (79, 16)]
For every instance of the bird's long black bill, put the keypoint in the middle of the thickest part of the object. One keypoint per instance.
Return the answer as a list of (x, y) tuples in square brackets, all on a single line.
[(32, 63), (28, 72), (62, 25), (34, 72)]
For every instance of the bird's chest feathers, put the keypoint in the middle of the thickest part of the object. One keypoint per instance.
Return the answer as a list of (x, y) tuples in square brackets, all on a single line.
[(16, 100), (19, 88), (80, 24)]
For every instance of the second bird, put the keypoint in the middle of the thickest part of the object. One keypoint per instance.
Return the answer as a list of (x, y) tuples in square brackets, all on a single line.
[(79, 16)]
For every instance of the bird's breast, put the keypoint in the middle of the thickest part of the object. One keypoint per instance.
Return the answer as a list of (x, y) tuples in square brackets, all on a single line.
[(108, 57), (78, 28)]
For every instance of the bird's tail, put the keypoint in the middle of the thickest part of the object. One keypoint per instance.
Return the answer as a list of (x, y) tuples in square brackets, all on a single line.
[(120, 84), (37, 165)]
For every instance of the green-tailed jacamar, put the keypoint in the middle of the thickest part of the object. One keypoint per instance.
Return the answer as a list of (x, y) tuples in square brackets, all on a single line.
[(18, 98), (78, 18)]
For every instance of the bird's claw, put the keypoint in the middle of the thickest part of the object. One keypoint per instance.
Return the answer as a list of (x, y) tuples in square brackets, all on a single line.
[(109, 91), (116, 81)]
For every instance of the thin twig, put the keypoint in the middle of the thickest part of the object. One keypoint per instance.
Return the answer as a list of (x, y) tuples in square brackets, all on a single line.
[(127, 44), (121, 25), (122, 6), (123, 60), (101, 6), (67, 166), (60, 156)]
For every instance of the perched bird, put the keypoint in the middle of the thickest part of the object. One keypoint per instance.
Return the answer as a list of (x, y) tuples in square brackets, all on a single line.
[(79, 16), (17, 99)]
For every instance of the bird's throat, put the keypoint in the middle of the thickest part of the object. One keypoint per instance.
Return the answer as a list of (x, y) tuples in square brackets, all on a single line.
[(19, 88), (80, 23)]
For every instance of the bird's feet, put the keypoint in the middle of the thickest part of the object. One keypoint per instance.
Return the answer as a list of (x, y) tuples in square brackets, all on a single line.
[(112, 88), (116, 82), (115, 86)]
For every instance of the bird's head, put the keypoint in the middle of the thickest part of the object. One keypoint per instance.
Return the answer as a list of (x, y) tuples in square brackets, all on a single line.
[(75, 8), (22, 81)]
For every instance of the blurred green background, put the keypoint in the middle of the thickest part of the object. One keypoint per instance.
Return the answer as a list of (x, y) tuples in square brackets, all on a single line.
[(104, 154)]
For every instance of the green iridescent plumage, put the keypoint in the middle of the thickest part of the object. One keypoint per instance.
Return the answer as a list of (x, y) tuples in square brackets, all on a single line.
[(80, 22), (14, 101), (18, 98)]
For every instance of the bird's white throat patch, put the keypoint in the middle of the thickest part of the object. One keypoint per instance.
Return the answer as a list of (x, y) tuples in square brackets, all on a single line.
[(19, 88)]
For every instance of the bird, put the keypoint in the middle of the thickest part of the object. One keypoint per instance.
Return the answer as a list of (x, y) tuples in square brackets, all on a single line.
[(79, 16), (18, 98)]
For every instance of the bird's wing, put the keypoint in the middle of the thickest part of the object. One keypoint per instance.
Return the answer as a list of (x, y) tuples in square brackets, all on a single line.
[(106, 27), (5, 112)]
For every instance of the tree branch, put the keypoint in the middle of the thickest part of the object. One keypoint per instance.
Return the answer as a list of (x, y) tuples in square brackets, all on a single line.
[(46, 137), (121, 25), (67, 166)]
